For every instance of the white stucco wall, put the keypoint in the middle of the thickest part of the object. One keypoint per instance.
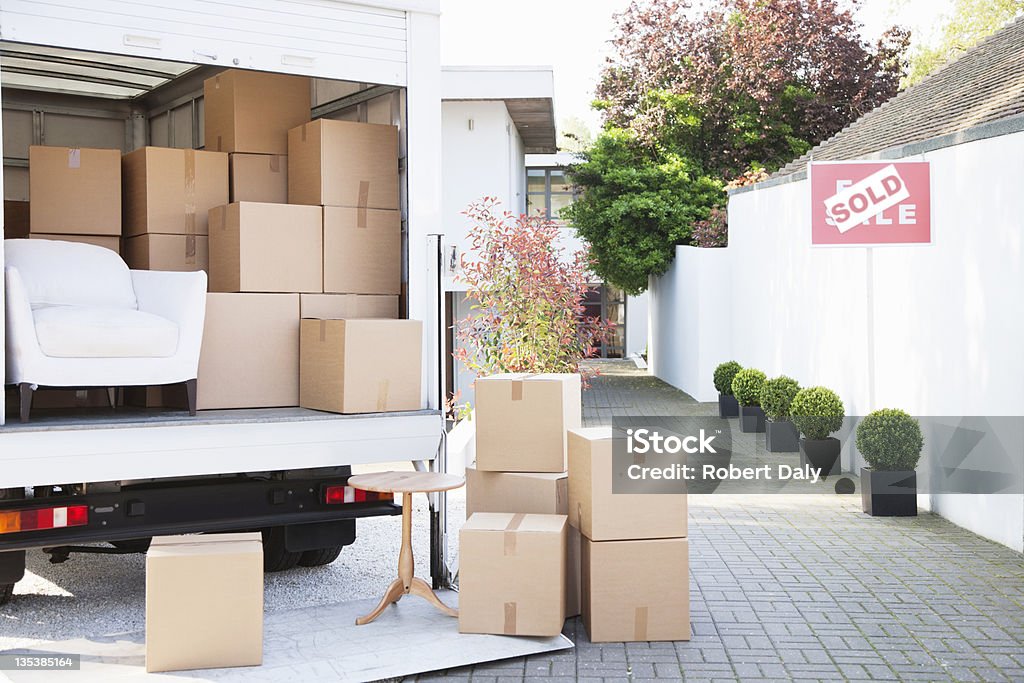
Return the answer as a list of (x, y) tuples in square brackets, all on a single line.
[(946, 321), (637, 323)]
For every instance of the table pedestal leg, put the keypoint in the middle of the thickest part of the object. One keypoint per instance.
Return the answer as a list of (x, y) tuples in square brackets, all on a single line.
[(406, 583)]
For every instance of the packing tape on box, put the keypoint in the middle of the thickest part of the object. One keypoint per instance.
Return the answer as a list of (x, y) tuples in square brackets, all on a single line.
[(304, 131), (383, 389), (220, 144), (190, 249), (361, 217), (323, 331), (74, 157), (517, 390), (275, 163), (640, 623), (364, 194), (190, 192), (510, 619), (509, 536)]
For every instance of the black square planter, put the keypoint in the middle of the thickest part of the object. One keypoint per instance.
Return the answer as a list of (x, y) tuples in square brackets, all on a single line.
[(728, 406), (888, 494), (751, 419), (781, 436), (822, 455)]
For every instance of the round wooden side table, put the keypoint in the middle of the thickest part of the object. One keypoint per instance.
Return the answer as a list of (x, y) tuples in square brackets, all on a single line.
[(406, 483)]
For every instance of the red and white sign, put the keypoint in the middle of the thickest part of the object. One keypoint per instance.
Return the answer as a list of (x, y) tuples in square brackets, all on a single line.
[(864, 203)]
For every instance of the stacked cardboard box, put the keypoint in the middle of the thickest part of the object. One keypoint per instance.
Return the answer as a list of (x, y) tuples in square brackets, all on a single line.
[(75, 195), (521, 423), (635, 553)]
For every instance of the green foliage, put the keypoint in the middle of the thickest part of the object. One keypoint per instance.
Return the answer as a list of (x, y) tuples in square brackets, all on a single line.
[(971, 22), (636, 204), (817, 412), (746, 386), (890, 440), (724, 374), (776, 396)]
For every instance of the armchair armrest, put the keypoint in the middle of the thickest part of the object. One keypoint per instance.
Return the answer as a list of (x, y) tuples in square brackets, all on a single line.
[(22, 345), (179, 297)]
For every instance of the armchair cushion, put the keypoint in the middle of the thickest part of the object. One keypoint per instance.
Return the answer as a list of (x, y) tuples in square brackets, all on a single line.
[(71, 274), (80, 332)]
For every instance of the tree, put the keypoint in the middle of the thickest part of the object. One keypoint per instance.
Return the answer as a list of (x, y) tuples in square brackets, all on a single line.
[(574, 135), (970, 23)]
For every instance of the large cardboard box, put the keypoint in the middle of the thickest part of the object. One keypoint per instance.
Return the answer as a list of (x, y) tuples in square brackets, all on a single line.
[(250, 353), (348, 306), (259, 178), (512, 574), (343, 163), (603, 516), (16, 219), (521, 421), (257, 247), (168, 252), (204, 602), (171, 191), (360, 366), (544, 493), (636, 590), (252, 111), (168, 396), (107, 241), (74, 190), (362, 251)]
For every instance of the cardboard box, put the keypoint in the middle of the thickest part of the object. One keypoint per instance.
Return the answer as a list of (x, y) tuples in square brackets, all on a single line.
[(348, 306), (543, 493), (362, 251), (256, 247), (603, 516), (521, 421), (108, 241), (343, 163), (361, 366), (16, 219), (250, 353), (636, 590), (171, 191), (168, 252), (252, 111), (259, 178), (74, 191), (512, 574), (204, 602), (170, 396)]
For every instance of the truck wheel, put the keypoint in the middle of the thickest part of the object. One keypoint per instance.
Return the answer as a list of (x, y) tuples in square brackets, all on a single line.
[(6, 591), (320, 557), (277, 558)]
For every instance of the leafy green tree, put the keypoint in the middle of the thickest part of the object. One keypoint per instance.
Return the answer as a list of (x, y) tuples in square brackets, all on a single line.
[(971, 22)]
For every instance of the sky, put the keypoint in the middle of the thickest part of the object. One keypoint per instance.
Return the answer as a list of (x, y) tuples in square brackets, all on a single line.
[(572, 37)]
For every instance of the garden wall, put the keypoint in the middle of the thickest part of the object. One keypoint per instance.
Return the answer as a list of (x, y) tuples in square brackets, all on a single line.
[(936, 330)]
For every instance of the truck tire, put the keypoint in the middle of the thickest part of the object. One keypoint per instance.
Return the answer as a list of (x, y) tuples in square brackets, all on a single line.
[(277, 558), (320, 557), (6, 591)]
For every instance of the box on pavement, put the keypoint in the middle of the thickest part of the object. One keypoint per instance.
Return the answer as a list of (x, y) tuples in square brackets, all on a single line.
[(250, 353), (172, 396), (343, 163), (167, 252), (544, 493), (252, 111), (360, 365), (107, 241), (521, 421), (512, 574), (258, 247), (259, 178), (362, 250), (16, 221), (636, 590), (348, 306), (204, 602), (74, 190), (171, 191)]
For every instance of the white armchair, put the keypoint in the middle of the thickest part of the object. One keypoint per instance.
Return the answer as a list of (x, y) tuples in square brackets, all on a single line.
[(78, 317)]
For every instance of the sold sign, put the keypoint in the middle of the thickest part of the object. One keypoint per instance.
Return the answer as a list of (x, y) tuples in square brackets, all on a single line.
[(863, 203)]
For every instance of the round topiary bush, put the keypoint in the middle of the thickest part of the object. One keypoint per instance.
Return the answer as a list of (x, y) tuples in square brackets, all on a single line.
[(746, 386), (776, 396), (724, 374), (890, 440), (817, 412)]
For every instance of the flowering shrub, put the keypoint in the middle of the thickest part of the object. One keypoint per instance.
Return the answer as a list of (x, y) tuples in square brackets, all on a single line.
[(527, 299), (711, 232)]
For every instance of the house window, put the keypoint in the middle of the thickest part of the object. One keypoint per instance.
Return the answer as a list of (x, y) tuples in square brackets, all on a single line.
[(608, 303), (547, 190)]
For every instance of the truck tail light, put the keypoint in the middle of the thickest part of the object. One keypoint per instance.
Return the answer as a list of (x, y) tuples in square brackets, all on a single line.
[(39, 519), (339, 495)]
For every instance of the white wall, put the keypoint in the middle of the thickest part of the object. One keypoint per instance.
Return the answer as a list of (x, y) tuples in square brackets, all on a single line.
[(637, 323), (936, 330)]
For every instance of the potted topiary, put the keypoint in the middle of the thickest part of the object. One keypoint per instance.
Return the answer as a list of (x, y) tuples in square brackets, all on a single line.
[(724, 373), (817, 412), (746, 387), (780, 433), (891, 442)]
